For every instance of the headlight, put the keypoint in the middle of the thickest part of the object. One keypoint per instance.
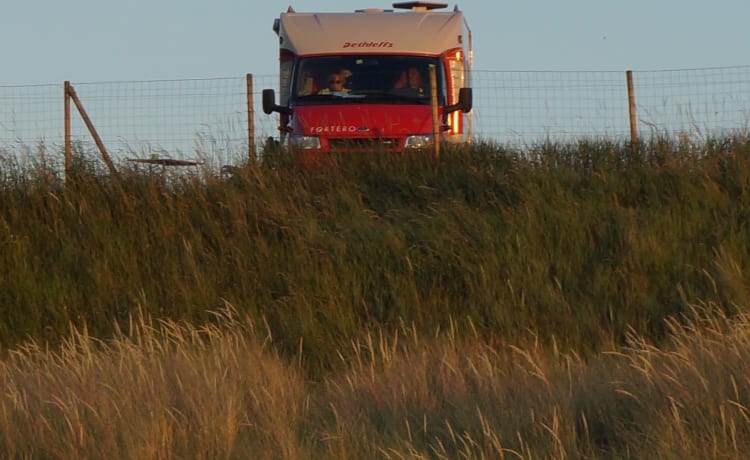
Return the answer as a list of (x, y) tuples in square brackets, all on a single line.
[(418, 141), (305, 142)]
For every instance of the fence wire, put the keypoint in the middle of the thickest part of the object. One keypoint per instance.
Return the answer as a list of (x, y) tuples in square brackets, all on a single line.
[(207, 119), (696, 103), (526, 107)]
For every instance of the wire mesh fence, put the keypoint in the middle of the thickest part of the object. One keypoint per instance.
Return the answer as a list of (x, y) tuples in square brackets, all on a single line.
[(696, 103), (202, 119), (526, 107), (215, 120)]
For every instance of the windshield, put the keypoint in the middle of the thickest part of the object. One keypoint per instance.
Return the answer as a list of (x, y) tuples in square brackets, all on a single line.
[(365, 79)]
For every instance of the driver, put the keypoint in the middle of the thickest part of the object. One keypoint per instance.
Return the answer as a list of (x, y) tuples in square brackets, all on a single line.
[(336, 82)]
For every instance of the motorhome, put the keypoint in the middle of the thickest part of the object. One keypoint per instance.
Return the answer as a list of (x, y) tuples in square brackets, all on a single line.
[(361, 80)]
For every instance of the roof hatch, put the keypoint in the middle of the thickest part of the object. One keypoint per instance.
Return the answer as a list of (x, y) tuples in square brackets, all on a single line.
[(419, 6)]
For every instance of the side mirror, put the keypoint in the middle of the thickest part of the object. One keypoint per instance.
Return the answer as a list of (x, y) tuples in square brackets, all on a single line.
[(464, 103), (269, 103), (465, 99)]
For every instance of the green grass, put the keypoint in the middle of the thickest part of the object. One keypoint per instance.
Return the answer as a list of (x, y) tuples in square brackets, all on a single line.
[(506, 274), (578, 242)]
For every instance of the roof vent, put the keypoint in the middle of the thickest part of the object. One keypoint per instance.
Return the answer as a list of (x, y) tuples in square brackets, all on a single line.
[(372, 10), (419, 6)]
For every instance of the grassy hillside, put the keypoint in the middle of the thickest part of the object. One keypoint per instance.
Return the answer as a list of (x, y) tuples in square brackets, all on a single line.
[(405, 306), (578, 243)]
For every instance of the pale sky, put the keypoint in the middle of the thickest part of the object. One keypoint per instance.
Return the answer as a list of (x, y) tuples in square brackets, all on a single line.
[(49, 41)]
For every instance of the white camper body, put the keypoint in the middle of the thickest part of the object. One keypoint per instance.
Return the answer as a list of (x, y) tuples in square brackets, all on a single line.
[(370, 44), (412, 32)]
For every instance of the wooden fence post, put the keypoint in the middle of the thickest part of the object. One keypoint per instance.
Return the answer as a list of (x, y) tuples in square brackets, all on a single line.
[(250, 118), (434, 104), (71, 93), (631, 109), (68, 147)]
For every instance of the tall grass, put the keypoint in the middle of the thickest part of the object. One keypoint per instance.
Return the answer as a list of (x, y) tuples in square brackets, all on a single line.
[(560, 301), (577, 242), (158, 390), (167, 389)]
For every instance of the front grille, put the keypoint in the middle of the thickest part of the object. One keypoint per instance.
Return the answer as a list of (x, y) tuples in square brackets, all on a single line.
[(363, 144)]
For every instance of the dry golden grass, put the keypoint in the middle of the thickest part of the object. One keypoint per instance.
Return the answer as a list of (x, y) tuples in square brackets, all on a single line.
[(167, 390), (163, 390)]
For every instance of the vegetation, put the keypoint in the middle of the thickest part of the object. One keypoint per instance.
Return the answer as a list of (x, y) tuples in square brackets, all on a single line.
[(583, 300)]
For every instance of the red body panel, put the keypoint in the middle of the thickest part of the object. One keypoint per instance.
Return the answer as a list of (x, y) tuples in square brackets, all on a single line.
[(362, 121)]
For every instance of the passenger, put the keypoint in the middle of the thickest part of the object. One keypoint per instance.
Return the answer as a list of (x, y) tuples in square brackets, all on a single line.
[(402, 80), (336, 82), (410, 82), (415, 79)]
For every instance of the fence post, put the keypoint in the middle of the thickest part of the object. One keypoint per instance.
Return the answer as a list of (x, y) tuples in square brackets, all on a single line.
[(68, 147), (105, 156), (631, 109), (250, 118), (433, 103)]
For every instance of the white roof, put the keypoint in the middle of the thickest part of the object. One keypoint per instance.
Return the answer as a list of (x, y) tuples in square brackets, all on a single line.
[(372, 31)]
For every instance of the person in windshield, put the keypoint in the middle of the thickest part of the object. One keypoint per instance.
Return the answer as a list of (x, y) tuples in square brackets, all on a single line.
[(336, 82), (410, 82), (402, 80)]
